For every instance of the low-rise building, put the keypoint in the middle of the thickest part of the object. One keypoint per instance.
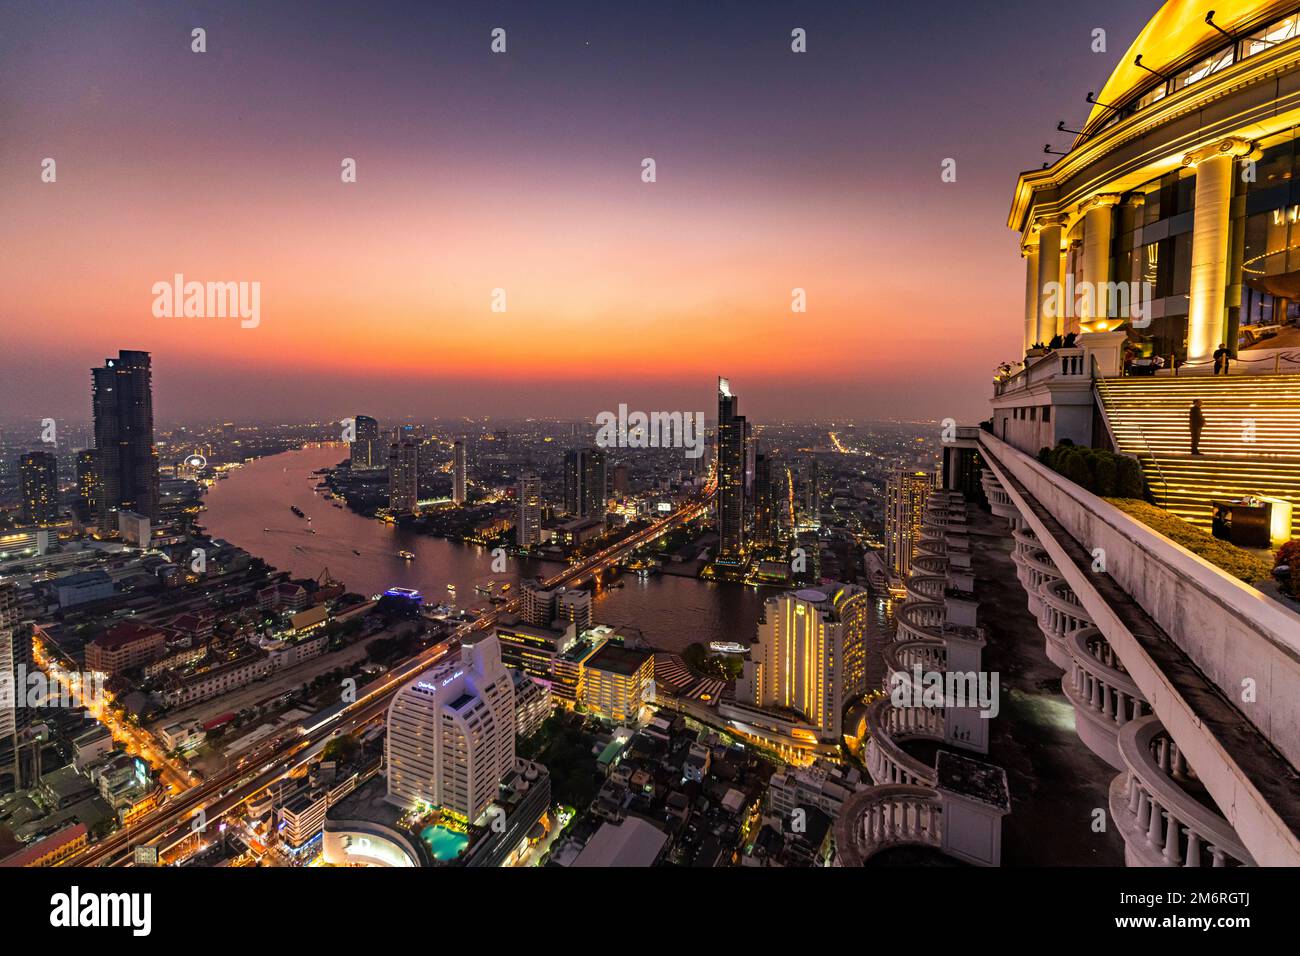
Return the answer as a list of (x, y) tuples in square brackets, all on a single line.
[(616, 682), (123, 647)]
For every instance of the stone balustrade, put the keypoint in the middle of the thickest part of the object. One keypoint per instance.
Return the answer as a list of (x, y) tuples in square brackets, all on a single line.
[(887, 727), (1104, 696), (1060, 614), (1161, 822), (881, 817), (1034, 569), (901, 657), (920, 621)]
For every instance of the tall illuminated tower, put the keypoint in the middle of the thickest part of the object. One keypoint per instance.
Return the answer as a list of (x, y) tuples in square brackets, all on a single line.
[(529, 526), (38, 477), (733, 432), (905, 494), (458, 472), (122, 398), (404, 476), (365, 453)]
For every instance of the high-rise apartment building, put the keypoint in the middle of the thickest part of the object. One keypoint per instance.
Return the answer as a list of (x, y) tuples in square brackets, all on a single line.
[(574, 607), (733, 435), (404, 476), (87, 484), (451, 734), (528, 529), (38, 481), (122, 398), (905, 494), (585, 482), (458, 472), (810, 656), (765, 501), (366, 452)]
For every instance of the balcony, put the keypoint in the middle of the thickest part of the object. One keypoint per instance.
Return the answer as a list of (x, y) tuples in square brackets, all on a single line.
[(1104, 696), (901, 657), (1162, 823), (881, 817), (889, 726), (1035, 569), (1061, 614), (920, 621), (1059, 364)]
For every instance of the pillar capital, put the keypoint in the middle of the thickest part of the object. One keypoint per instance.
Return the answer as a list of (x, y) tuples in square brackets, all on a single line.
[(1232, 147), (1046, 222), (1101, 200)]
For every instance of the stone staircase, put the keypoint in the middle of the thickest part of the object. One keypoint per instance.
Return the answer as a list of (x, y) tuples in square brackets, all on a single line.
[(1250, 445)]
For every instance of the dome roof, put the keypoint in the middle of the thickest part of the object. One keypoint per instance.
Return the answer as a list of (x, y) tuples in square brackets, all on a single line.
[(1177, 30)]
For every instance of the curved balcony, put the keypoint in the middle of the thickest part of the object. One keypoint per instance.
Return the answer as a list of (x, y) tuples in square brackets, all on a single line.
[(920, 621), (1025, 541), (881, 817), (888, 726), (934, 544), (1104, 696), (1059, 615), (1162, 823), (1035, 569), (925, 587), (902, 656), (931, 564)]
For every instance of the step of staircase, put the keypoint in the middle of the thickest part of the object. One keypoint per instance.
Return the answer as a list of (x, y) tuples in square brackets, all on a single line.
[(1250, 444)]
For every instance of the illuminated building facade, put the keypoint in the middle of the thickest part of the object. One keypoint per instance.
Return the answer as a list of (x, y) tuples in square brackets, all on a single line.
[(765, 501), (528, 529), (451, 734), (87, 484), (38, 479), (905, 494), (458, 472), (809, 656), (585, 482), (366, 454), (733, 439), (616, 681), (404, 476), (122, 399)]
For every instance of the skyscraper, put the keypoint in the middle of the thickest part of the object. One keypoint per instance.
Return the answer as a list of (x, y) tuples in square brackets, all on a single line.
[(38, 479), (365, 446), (458, 472), (905, 494), (528, 529), (15, 662), (404, 476), (765, 505), (451, 733), (812, 492), (87, 484), (733, 433), (122, 398), (585, 482), (809, 656)]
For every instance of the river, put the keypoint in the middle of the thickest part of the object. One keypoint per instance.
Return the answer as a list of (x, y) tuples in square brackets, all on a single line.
[(669, 612)]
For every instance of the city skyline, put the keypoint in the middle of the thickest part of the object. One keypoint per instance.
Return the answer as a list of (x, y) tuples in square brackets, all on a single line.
[(522, 172)]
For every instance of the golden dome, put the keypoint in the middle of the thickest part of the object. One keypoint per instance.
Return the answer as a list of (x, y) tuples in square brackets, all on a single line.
[(1173, 35)]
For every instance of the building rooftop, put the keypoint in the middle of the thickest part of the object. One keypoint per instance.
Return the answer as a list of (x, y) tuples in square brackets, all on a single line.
[(634, 842), (124, 634), (973, 779), (617, 659)]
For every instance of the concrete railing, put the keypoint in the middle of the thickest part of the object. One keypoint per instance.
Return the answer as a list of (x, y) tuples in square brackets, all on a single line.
[(879, 817), (1242, 642), (1104, 696), (1060, 614), (887, 762)]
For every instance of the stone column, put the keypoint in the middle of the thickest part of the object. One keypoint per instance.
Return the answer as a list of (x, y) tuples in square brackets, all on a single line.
[(1097, 216), (1030, 252), (1206, 319), (1051, 266)]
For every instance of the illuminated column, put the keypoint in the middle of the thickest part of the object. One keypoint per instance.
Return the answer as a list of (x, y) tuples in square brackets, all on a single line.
[(1051, 266), (1030, 252), (1097, 216), (1205, 320)]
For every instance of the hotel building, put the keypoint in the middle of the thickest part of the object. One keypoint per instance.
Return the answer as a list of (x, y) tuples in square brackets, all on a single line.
[(451, 734), (404, 476), (365, 452), (616, 682)]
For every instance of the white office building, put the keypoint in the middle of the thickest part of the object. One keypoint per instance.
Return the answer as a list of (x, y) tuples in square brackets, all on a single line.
[(451, 733)]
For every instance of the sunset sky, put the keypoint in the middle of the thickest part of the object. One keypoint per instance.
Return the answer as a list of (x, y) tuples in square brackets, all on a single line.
[(522, 171)]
